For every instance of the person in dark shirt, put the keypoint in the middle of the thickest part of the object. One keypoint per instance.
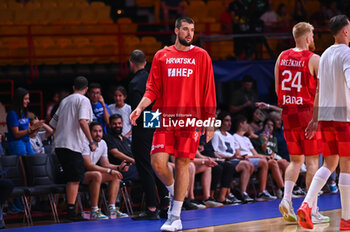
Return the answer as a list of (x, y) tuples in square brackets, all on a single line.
[(242, 100), (119, 147), (222, 173), (142, 142), (279, 134)]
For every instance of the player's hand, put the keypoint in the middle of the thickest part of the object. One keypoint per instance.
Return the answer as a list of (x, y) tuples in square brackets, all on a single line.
[(209, 131), (134, 116), (311, 129)]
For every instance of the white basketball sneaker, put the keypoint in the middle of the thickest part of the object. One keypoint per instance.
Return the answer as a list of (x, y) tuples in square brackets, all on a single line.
[(172, 224), (319, 218), (287, 211)]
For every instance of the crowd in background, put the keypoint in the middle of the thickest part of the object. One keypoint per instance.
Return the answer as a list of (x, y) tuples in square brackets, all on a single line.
[(244, 162), (248, 146)]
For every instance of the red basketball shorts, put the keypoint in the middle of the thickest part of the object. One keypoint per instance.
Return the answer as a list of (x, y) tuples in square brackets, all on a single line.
[(299, 145), (295, 121), (336, 138), (181, 143)]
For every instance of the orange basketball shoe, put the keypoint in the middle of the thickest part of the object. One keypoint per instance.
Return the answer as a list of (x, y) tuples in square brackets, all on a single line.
[(344, 225), (304, 214)]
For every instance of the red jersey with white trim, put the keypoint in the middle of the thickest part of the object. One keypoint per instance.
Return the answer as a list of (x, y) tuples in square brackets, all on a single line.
[(296, 85), (296, 88), (182, 82)]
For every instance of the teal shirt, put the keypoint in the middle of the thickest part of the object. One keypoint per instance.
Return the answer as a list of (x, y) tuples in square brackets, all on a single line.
[(271, 145)]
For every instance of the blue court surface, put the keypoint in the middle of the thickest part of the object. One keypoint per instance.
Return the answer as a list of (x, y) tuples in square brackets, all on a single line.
[(191, 219)]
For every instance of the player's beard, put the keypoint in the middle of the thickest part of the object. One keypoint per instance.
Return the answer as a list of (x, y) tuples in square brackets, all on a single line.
[(312, 46), (184, 43)]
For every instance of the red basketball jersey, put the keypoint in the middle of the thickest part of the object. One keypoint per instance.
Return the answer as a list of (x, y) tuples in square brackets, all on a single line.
[(296, 85)]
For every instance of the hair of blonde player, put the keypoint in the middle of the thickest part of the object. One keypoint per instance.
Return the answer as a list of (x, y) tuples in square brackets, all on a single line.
[(301, 29)]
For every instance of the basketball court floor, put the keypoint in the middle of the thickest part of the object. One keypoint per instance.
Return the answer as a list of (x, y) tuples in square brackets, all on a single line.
[(262, 216)]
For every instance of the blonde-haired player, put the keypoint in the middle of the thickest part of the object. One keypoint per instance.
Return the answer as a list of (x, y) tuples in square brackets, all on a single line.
[(296, 81)]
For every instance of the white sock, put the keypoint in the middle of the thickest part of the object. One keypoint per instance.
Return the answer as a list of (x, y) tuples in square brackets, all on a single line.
[(323, 172), (314, 205), (94, 208), (344, 188), (176, 210), (288, 189), (171, 189), (111, 206), (317, 184)]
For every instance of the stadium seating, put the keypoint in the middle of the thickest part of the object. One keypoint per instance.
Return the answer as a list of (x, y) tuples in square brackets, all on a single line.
[(149, 44)]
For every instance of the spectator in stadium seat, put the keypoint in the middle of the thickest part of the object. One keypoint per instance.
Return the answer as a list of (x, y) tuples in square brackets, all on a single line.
[(62, 94), (269, 18), (100, 110), (225, 148), (279, 134), (6, 187), (227, 17), (320, 17), (283, 16), (203, 165), (172, 9), (268, 146), (196, 166), (333, 9), (38, 136), (109, 172), (299, 13), (71, 124), (257, 120), (119, 147), (245, 148), (221, 174), (50, 105), (18, 125), (120, 107), (242, 100)]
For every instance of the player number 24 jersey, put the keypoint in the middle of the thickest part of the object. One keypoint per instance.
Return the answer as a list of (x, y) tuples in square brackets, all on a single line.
[(297, 86)]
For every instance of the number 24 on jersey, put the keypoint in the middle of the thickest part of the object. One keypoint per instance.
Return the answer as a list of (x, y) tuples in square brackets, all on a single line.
[(296, 82)]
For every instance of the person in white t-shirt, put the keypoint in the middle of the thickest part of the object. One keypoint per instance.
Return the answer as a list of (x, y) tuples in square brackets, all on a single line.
[(120, 107), (109, 172), (261, 163), (332, 109), (71, 124), (38, 136), (225, 148)]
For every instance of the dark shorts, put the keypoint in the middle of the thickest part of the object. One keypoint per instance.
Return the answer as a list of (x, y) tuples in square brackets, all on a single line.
[(72, 163), (234, 163)]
